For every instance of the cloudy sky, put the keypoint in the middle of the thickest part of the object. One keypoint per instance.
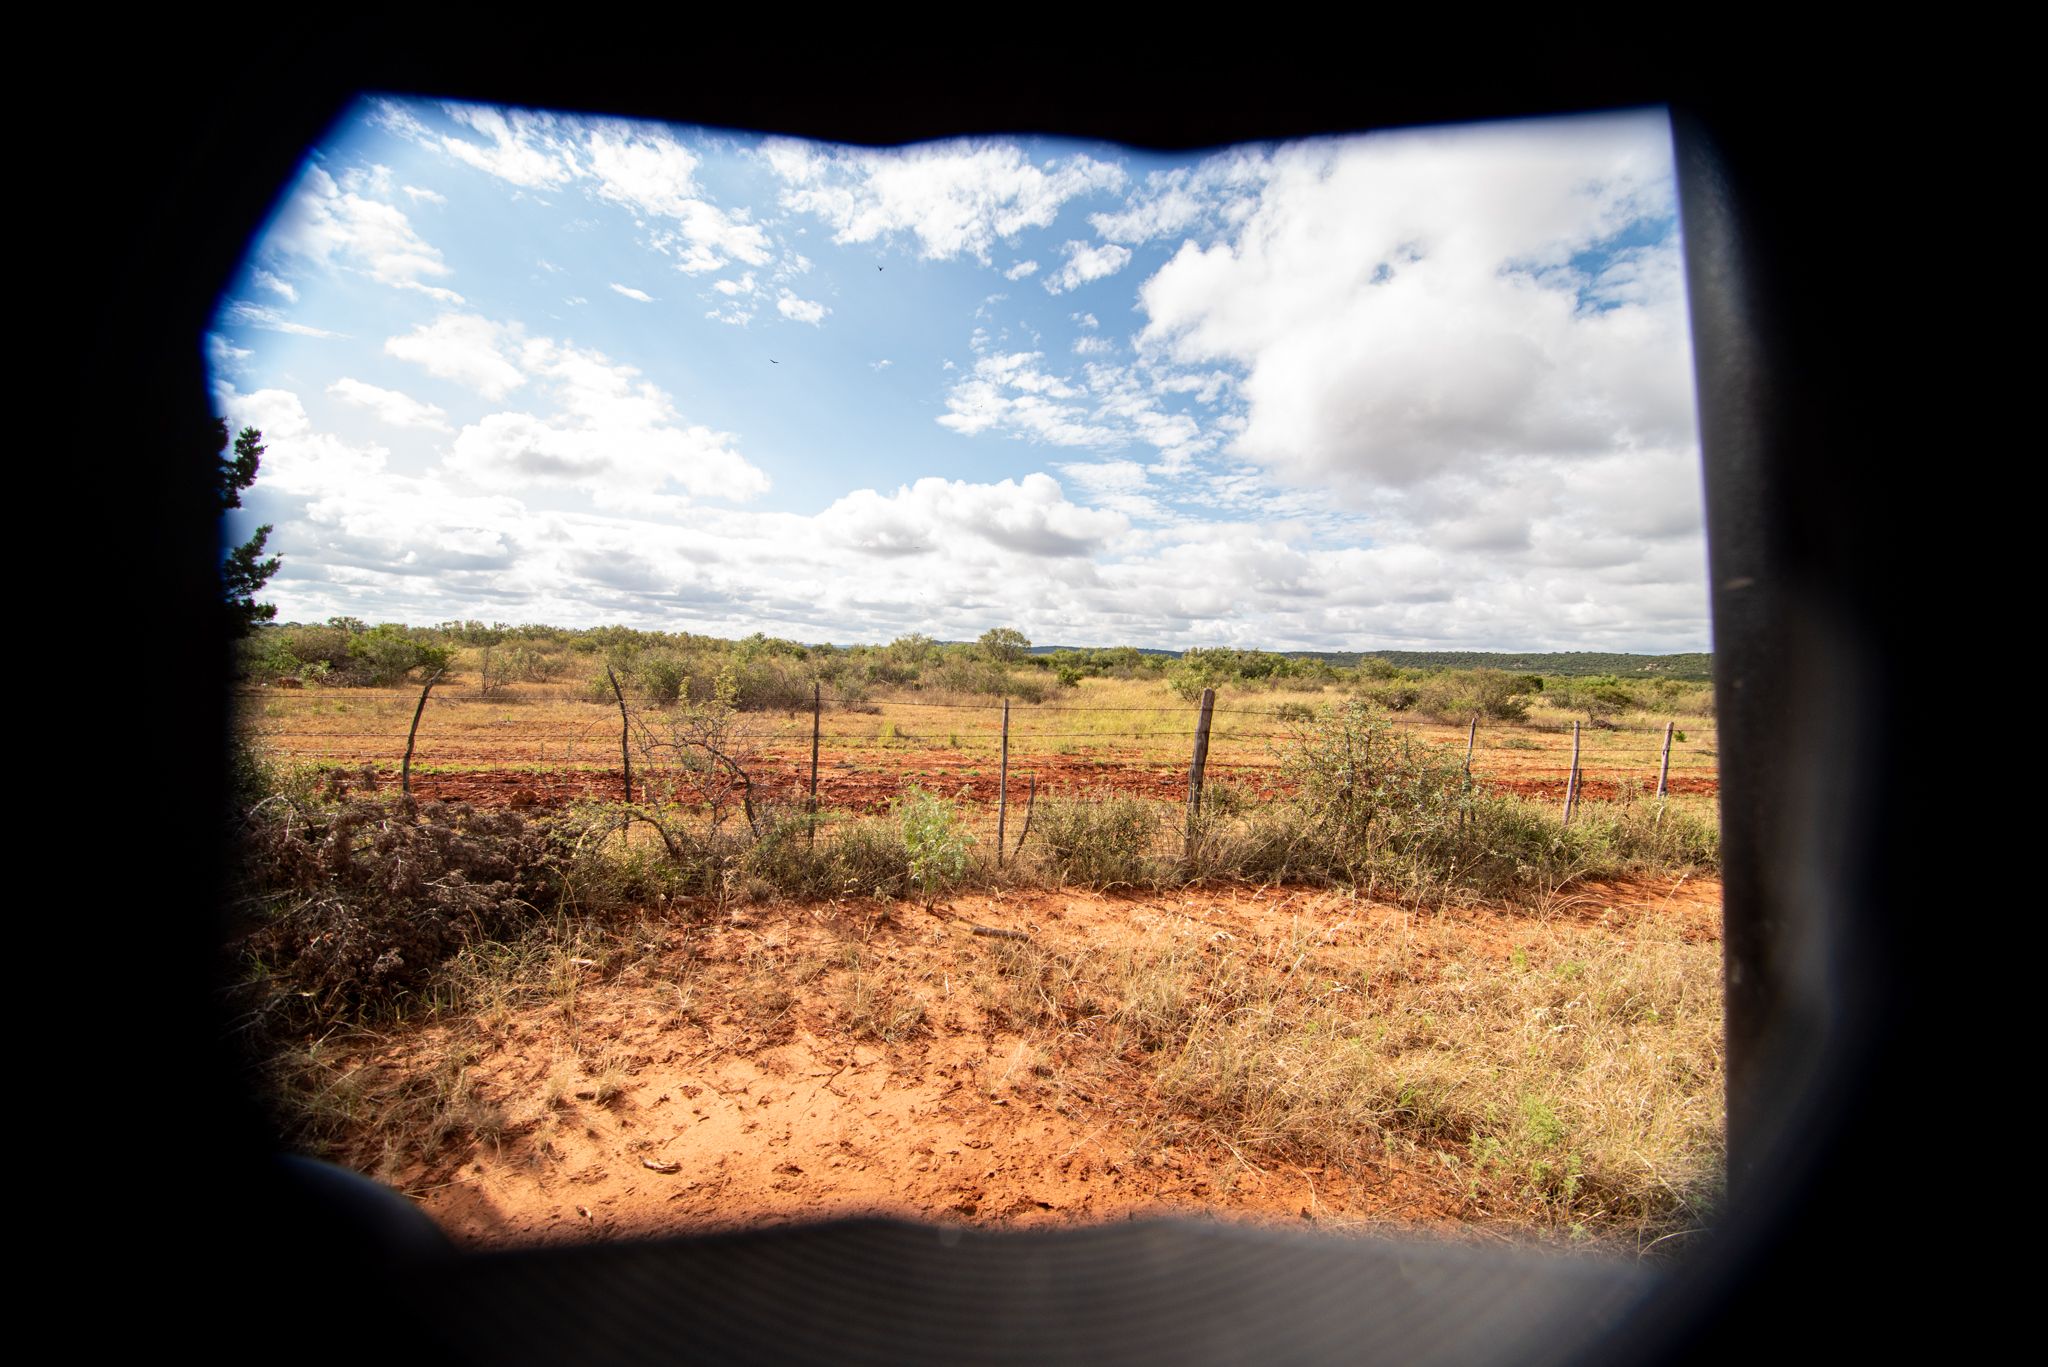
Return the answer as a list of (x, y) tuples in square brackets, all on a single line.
[(1422, 390)]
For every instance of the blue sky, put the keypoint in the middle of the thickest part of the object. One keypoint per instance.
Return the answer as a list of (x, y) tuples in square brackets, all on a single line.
[(1418, 390)]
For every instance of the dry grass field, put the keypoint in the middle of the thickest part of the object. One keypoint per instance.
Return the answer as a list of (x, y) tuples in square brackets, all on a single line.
[(541, 745)]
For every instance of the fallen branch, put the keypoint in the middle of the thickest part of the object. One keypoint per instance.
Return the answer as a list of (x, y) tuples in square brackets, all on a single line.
[(1029, 802)]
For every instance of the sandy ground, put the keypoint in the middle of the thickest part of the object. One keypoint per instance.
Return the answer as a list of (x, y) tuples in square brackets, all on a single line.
[(708, 1076)]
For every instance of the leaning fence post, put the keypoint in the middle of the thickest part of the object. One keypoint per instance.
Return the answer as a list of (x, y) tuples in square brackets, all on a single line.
[(405, 770), (815, 713), (1571, 781), (1471, 736), (1003, 787), (625, 751), (1201, 762)]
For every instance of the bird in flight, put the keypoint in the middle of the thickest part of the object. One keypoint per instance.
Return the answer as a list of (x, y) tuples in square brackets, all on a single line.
[(773, 361)]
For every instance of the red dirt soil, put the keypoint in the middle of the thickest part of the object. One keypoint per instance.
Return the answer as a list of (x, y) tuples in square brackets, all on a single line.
[(727, 1114), (867, 784)]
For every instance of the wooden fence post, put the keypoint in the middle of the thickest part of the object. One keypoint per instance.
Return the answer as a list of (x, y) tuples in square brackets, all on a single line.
[(1003, 788), (816, 713), (1201, 762), (1471, 736), (1571, 781), (625, 726), (1664, 766), (405, 769)]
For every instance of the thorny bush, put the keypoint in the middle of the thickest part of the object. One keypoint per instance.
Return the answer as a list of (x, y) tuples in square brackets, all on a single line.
[(357, 904)]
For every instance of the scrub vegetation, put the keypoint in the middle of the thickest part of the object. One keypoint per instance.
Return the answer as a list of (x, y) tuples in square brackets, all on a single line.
[(1374, 964)]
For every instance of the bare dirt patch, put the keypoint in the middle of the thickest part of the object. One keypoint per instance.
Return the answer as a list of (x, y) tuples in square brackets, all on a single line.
[(792, 1062)]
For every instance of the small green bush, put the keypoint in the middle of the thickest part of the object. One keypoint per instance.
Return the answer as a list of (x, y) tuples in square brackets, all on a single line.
[(663, 676), (869, 859), (528, 664), (389, 653), (1099, 839), (773, 683), (936, 840)]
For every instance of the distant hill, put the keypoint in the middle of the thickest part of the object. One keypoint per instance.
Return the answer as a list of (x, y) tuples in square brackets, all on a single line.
[(1563, 663), (1567, 663)]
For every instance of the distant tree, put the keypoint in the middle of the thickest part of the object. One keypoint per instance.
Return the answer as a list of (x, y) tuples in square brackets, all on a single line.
[(1005, 645), (244, 572)]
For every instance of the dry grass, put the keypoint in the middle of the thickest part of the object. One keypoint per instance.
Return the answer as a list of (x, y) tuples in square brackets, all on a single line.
[(554, 726), (1575, 1085), (878, 1000), (1558, 1072)]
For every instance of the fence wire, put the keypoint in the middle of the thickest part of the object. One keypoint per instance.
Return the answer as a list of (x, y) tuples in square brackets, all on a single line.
[(507, 748)]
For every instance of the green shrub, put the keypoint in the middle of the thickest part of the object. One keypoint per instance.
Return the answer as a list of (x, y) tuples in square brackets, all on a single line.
[(529, 664), (935, 840), (294, 650), (1458, 695), (662, 676), (1254, 843), (787, 857), (773, 683), (1394, 696), (1640, 835), (1597, 697), (389, 653), (1099, 839), (1198, 670), (883, 669), (602, 875), (971, 674), (870, 859), (1380, 807)]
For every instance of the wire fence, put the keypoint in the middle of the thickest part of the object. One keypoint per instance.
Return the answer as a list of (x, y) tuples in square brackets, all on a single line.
[(536, 746)]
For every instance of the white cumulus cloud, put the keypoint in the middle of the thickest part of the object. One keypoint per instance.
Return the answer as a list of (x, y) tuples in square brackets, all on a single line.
[(955, 198), (610, 433), (1406, 305), (467, 348), (1031, 517), (342, 224), (399, 410), (800, 310), (1086, 262)]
